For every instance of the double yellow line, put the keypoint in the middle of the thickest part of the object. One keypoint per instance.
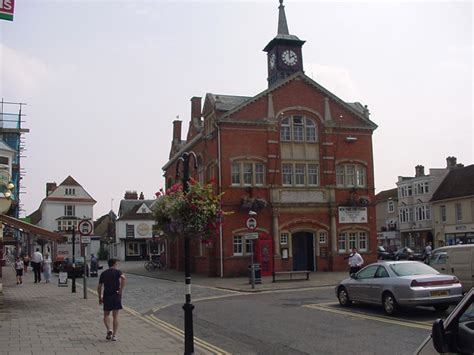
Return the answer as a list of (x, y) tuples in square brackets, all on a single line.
[(412, 324), (170, 329)]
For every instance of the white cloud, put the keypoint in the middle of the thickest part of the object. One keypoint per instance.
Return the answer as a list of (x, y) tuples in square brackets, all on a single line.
[(335, 79), (20, 73)]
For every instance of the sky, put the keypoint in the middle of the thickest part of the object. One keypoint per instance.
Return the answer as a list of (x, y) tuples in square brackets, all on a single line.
[(103, 80)]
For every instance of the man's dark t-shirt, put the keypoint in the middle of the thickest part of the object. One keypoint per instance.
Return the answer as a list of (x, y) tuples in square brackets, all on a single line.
[(111, 280)]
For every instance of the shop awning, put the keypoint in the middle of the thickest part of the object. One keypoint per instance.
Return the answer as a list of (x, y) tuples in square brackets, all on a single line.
[(32, 229)]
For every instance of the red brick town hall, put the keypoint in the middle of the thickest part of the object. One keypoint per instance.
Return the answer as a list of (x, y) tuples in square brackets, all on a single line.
[(297, 155)]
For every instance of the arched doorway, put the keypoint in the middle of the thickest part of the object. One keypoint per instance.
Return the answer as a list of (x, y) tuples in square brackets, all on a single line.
[(303, 251)]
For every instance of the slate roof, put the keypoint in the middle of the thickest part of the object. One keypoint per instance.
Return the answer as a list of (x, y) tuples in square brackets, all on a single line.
[(69, 181), (387, 194), (128, 209), (227, 102), (458, 183)]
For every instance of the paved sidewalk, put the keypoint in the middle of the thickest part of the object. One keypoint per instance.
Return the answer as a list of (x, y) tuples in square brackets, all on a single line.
[(239, 284), (47, 319)]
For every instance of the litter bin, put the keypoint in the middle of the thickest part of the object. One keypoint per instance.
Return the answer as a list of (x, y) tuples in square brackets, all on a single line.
[(258, 273)]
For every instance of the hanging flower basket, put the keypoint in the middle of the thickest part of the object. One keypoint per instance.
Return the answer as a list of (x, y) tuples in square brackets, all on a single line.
[(196, 214), (254, 204)]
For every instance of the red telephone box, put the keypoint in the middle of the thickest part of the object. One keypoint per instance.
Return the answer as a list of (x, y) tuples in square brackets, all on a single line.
[(264, 253)]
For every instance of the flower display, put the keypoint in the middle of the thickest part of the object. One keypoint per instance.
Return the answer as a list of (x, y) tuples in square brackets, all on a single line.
[(196, 213)]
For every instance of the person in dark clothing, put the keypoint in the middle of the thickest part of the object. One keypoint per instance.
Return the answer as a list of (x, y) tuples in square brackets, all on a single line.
[(113, 282)]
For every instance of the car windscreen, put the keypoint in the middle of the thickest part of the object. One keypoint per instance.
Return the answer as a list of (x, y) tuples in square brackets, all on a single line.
[(414, 268)]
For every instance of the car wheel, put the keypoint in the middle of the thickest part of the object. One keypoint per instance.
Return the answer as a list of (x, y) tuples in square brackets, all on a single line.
[(390, 305), (343, 297), (441, 307)]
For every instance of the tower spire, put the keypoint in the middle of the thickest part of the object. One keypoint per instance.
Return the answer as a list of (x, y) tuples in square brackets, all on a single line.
[(282, 24)]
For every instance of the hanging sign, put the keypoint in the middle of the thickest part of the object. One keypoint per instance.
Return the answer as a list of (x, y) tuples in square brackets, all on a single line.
[(6, 9)]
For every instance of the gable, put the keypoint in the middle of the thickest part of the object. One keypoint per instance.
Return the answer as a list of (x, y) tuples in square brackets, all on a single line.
[(299, 93), (69, 191)]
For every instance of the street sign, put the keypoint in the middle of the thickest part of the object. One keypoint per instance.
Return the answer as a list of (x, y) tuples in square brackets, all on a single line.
[(85, 239), (251, 223), (85, 227), (251, 236)]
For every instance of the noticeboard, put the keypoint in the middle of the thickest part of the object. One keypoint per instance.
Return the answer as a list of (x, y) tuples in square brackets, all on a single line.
[(62, 279)]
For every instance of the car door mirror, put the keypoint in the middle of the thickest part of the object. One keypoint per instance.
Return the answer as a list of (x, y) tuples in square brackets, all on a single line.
[(353, 276), (439, 336)]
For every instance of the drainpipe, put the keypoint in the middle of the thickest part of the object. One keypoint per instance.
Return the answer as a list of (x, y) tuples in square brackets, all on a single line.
[(220, 190)]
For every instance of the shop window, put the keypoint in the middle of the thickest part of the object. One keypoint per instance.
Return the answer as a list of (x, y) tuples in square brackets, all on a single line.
[(133, 249)]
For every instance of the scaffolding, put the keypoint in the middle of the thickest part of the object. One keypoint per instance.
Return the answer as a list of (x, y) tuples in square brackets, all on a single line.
[(11, 134)]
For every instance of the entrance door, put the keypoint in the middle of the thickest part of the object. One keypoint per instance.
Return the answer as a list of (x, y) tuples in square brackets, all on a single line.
[(143, 251), (303, 251)]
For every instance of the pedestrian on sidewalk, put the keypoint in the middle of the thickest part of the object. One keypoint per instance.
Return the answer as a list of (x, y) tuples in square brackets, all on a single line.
[(26, 262), (36, 261), (113, 281), (355, 261), (19, 270), (47, 267)]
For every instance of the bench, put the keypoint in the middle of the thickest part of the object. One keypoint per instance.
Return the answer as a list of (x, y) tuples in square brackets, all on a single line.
[(290, 274)]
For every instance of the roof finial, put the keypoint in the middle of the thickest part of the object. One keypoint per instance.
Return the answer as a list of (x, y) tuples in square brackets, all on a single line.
[(282, 25)]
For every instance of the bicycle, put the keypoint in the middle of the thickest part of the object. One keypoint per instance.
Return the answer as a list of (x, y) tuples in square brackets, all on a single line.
[(154, 263)]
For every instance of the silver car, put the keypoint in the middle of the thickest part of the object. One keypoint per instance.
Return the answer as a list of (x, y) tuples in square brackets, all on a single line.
[(395, 284)]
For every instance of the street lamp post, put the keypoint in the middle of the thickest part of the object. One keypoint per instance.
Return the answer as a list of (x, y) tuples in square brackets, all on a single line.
[(73, 238), (184, 161)]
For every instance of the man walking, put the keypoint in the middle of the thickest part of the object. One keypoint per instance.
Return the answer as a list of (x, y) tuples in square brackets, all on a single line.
[(36, 261), (113, 281), (355, 261)]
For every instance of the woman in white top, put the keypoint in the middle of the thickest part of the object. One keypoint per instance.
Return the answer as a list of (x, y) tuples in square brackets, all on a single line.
[(47, 267)]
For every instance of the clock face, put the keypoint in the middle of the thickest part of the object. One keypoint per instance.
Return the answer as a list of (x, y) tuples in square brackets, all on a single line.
[(289, 57), (272, 61), (143, 229)]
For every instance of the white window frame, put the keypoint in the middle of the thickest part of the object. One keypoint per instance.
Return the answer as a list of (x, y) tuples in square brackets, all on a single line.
[(133, 251), (351, 175), (284, 238), (237, 243), (69, 210), (242, 176), (391, 206), (353, 239), (323, 237), (70, 191), (299, 129), (129, 230), (299, 174), (458, 210), (442, 213)]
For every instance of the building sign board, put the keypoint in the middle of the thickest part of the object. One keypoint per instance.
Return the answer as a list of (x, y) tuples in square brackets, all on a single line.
[(251, 236), (352, 214), (6, 9)]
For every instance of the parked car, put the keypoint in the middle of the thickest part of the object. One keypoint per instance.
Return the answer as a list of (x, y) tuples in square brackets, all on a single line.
[(455, 260), (395, 284), (407, 254), (455, 334), (384, 254), (78, 266)]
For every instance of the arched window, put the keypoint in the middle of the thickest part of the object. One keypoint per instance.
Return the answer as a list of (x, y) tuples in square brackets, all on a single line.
[(298, 129)]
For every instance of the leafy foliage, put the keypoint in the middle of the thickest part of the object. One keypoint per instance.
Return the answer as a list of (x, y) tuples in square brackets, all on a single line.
[(196, 213)]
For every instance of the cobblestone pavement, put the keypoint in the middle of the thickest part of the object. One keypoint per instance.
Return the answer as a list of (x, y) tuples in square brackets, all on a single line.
[(47, 319)]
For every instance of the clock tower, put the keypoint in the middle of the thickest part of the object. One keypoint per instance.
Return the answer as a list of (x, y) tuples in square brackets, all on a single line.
[(283, 52)]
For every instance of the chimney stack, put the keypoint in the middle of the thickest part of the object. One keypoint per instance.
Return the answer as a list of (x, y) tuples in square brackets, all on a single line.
[(451, 162), (177, 131), (142, 197), (419, 170), (50, 187), (196, 110), (131, 195)]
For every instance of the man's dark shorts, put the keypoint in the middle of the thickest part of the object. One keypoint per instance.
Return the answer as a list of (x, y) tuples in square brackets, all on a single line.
[(112, 302)]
